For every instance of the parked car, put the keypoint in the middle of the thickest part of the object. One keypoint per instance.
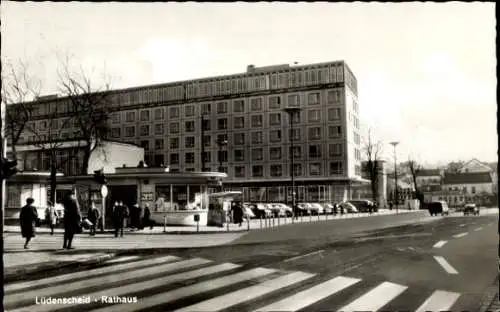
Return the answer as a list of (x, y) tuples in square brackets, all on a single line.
[(471, 209), (304, 208), (247, 211), (317, 209), (281, 210), (261, 210), (363, 205), (348, 207), (438, 207), (327, 208)]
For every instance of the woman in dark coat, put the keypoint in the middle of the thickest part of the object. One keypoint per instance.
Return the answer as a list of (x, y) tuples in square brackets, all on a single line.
[(28, 219), (237, 213), (72, 220), (146, 219)]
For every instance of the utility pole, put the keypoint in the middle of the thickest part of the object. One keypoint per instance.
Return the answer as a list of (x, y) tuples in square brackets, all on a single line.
[(394, 144), (291, 111), (202, 143)]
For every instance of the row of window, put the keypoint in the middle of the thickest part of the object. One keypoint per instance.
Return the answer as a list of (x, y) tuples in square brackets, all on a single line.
[(256, 137), (256, 105), (276, 170), (256, 154), (222, 124)]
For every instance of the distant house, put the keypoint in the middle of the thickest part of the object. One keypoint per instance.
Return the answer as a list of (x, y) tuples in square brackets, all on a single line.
[(475, 165), (460, 188), (429, 179)]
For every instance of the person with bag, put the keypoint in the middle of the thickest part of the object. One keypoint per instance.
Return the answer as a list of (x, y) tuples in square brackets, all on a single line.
[(51, 217), (27, 219), (72, 220)]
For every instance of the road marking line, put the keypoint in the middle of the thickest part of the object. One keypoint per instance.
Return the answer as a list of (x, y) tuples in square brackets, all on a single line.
[(98, 280), (439, 301), (249, 293), (478, 229), (309, 296), (123, 259), (460, 235), (90, 273), (303, 256), (446, 266), (462, 225), (376, 298), (440, 244), (151, 284), (194, 289)]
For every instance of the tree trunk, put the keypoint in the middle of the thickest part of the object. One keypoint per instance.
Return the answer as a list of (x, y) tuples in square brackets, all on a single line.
[(86, 158), (53, 184)]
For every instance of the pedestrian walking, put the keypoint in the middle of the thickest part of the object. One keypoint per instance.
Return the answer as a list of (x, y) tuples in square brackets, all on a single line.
[(135, 217), (237, 213), (146, 219), (27, 220), (72, 220), (51, 217), (119, 218), (94, 216)]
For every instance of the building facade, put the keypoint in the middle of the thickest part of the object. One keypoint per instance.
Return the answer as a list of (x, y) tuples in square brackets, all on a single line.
[(181, 124)]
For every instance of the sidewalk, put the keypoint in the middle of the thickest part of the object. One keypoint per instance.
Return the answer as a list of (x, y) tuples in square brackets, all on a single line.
[(491, 299), (228, 227)]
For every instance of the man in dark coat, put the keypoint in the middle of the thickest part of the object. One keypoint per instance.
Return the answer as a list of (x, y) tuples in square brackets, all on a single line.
[(28, 218), (146, 221), (119, 214), (94, 216), (72, 220), (237, 213)]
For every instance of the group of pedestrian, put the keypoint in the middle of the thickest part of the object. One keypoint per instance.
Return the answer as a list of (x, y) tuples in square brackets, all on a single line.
[(121, 213), (72, 220)]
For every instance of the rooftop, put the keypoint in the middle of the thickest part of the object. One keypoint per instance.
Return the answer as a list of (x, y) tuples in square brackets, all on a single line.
[(429, 173), (467, 178)]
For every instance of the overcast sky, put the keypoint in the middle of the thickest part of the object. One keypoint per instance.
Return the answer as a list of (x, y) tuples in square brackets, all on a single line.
[(426, 72)]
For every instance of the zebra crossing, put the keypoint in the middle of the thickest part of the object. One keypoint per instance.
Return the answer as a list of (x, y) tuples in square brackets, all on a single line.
[(171, 283)]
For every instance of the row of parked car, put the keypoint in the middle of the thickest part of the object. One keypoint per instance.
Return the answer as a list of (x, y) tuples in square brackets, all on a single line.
[(267, 210)]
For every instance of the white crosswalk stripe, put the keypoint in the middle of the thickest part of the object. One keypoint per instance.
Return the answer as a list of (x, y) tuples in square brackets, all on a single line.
[(376, 298), (199, 284), (311, 295)]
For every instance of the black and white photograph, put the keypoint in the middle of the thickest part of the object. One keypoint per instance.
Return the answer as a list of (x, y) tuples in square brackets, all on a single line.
[(241, 156)]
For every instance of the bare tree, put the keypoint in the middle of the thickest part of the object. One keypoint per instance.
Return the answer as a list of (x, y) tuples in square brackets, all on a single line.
[(90, 107), (373, 149), (18, 88), (415, 169), (454, 166), (53, 143)]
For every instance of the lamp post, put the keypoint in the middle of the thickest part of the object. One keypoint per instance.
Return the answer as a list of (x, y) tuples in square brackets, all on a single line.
[(202, 143), (292, 111), (394, 144)]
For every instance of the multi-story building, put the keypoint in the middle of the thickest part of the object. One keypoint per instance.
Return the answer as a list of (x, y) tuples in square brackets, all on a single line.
[(181, 124)]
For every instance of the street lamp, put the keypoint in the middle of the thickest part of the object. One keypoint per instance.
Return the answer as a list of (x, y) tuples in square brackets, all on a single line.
[(292, 111), (202, 127), (394, 144)]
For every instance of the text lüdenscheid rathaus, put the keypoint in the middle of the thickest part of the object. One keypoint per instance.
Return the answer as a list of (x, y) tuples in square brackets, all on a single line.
[(244, 112)]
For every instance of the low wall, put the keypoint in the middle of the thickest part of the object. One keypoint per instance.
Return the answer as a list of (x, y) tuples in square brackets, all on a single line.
[(180, 217)]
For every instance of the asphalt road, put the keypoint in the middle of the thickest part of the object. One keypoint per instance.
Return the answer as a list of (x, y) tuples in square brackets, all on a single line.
[(417, 266)]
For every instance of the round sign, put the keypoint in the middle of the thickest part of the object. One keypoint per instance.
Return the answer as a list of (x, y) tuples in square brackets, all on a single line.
[(104, 191)]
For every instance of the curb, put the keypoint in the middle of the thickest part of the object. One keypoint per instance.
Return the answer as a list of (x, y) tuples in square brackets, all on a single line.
[(18, 274), (491, 296)]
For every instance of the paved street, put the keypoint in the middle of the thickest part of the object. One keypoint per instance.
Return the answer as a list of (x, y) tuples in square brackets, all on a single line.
[(378, 268)]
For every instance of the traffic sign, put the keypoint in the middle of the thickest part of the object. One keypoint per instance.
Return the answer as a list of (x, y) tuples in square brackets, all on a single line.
[(104, 190)]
